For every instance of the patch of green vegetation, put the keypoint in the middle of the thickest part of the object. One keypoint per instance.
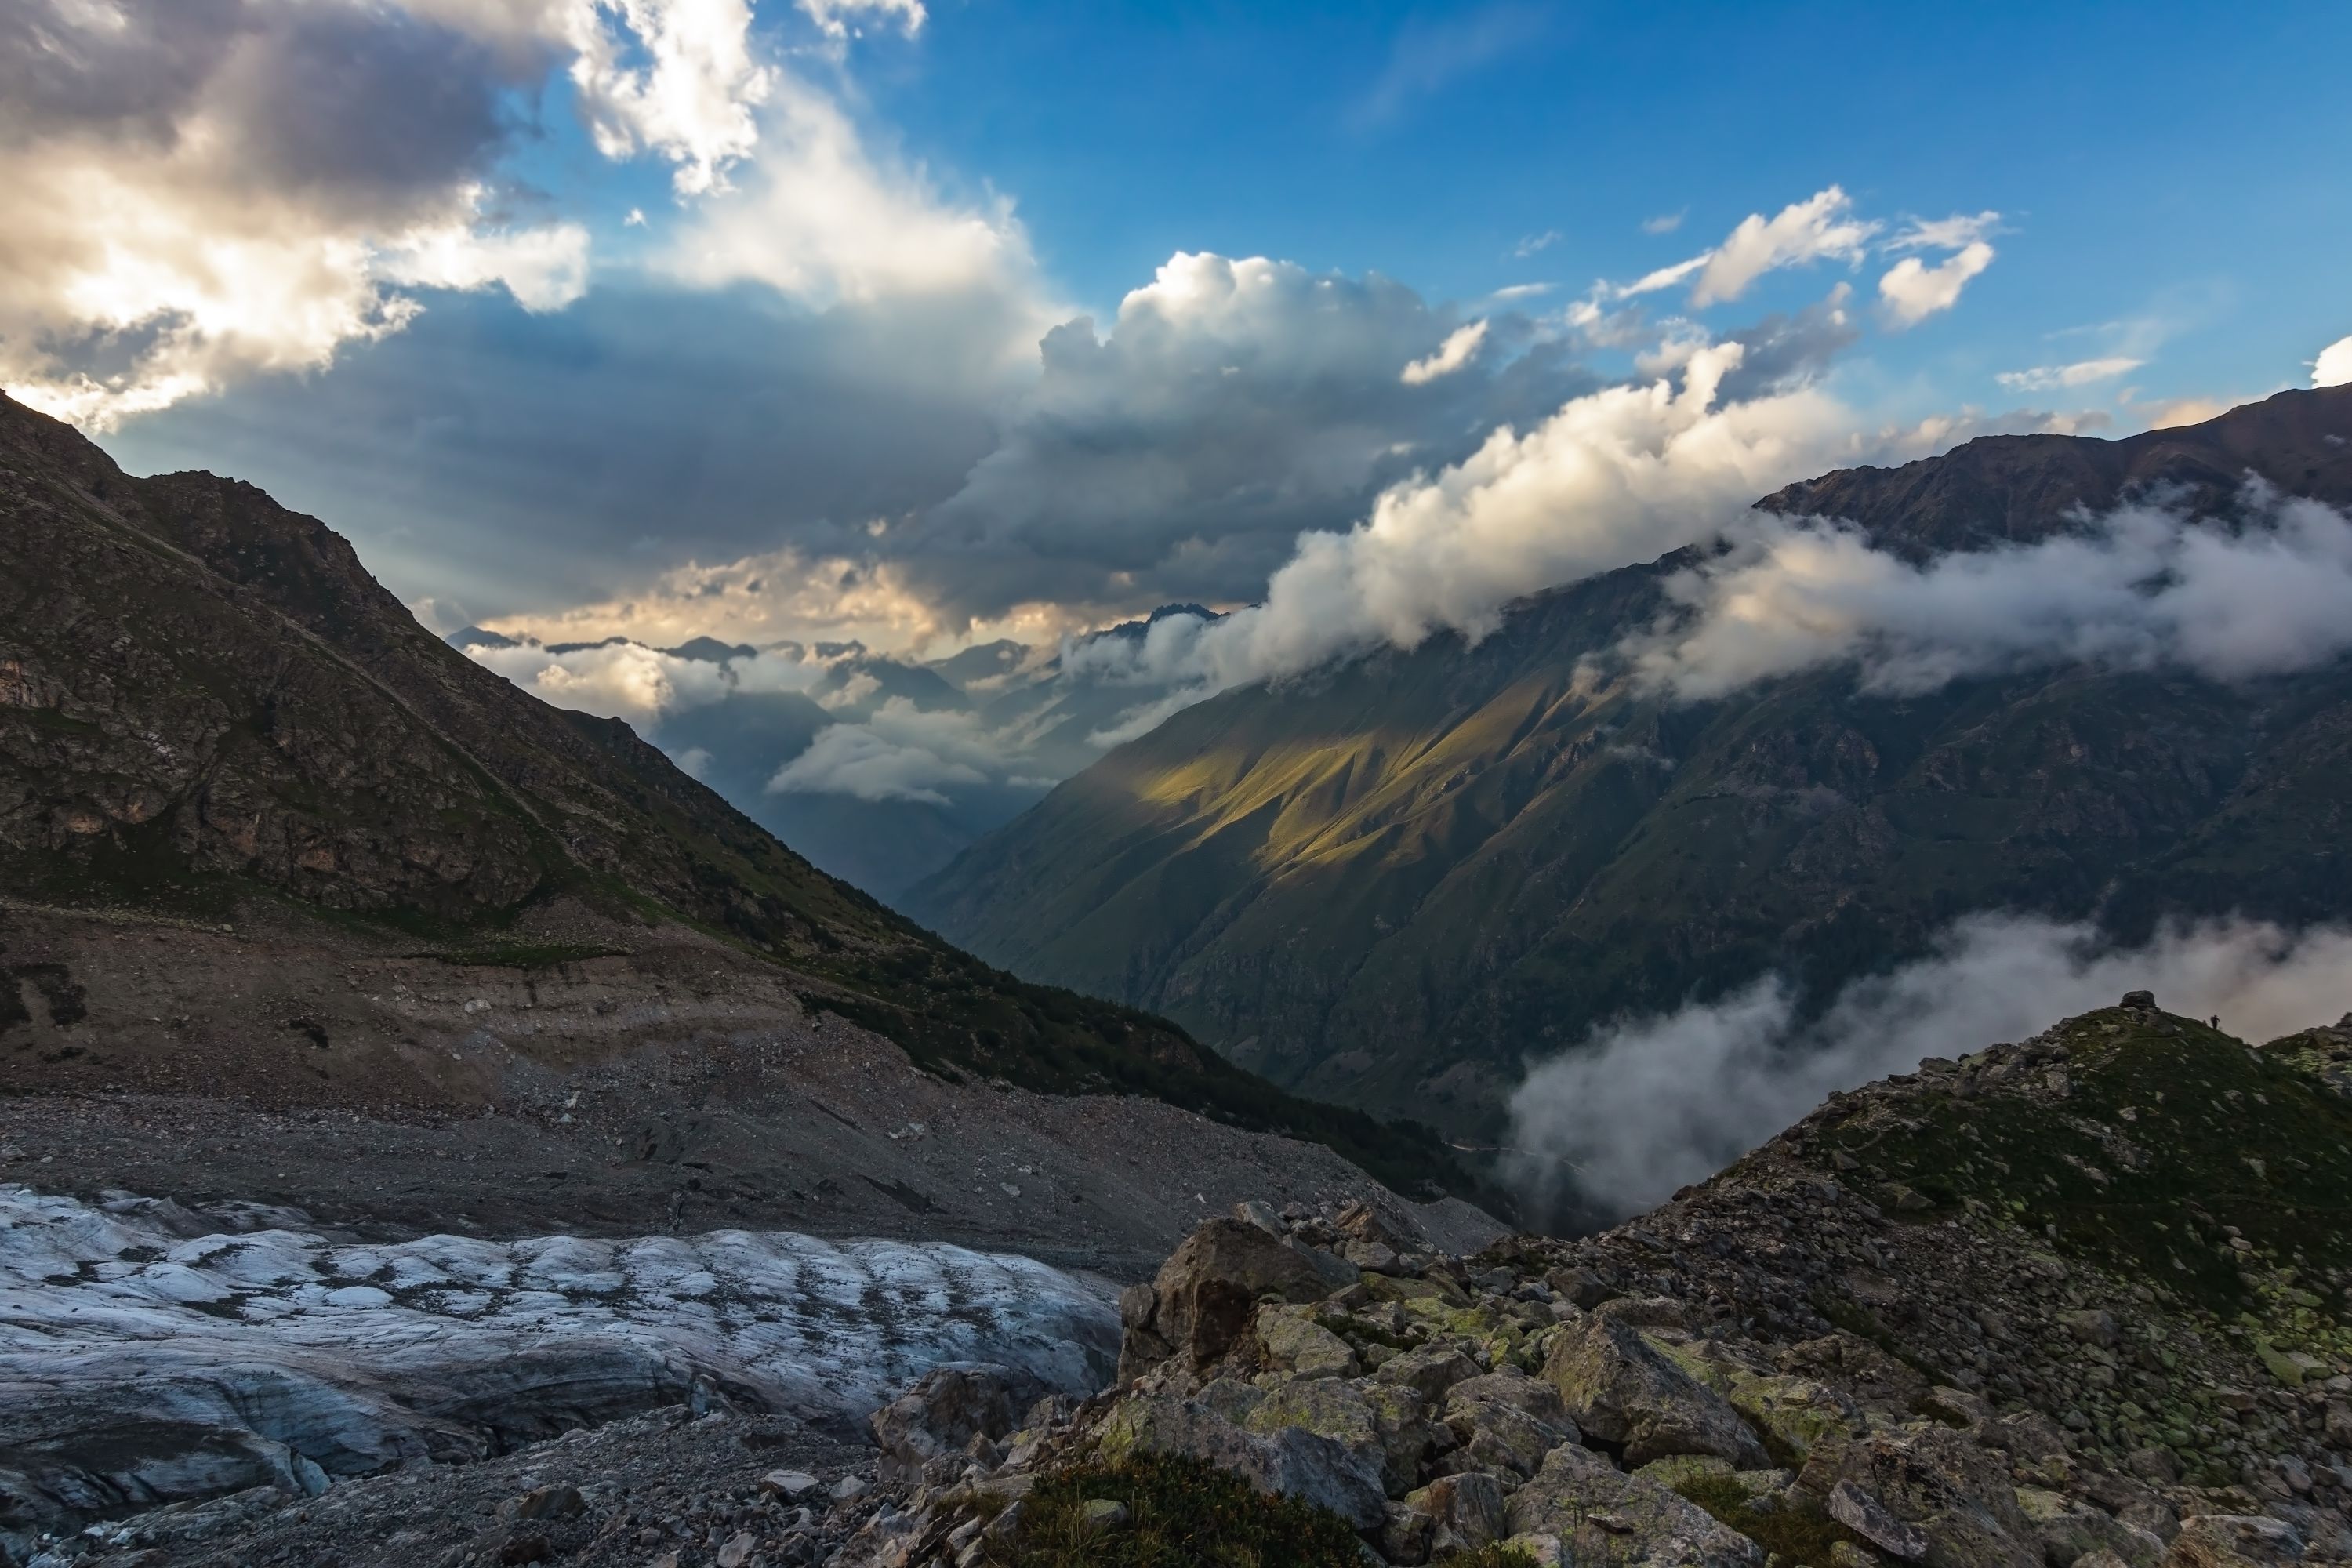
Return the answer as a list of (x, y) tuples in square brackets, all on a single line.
[(2168, 1138), (1497, 1555), (1794, 1527), (1181, 1513)]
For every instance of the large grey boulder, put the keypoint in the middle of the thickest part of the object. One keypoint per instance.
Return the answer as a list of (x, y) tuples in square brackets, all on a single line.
[(1205, 1295), (1607, 1518), (1466, 1513), (1508, 1421), (1380, 1424), (1621, 1389), (2070, 1529), (944, 1412), (1429, 1370), (1957, 1493)]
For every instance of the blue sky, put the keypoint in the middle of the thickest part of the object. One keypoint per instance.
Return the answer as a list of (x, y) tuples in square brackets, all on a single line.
[(806, 396), (2170, 161)]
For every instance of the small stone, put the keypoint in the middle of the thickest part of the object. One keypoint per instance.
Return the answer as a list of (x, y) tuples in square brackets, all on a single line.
[(550, 1502), (848, 1489), (738, 1549), (790, 1485), (1863, 1514), (1100, 1515)]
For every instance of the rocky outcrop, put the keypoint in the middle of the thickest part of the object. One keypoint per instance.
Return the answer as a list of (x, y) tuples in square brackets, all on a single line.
[(1208, 1290), (1774, 1368), (1780, 1367), (944, 1414)]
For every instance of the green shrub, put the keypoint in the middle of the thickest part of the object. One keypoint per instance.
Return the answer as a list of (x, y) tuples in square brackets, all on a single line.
[(1183, 1513)]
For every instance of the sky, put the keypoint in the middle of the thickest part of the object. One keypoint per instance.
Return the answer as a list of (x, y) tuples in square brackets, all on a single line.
[(924, 322)]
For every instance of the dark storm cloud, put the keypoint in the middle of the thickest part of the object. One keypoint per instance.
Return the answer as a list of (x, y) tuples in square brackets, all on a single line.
[(527, 462), (1233, 406)]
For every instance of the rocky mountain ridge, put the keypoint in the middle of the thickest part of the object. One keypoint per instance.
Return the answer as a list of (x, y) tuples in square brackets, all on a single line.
[(1849, 1349), (1394, 881), (213, 718)]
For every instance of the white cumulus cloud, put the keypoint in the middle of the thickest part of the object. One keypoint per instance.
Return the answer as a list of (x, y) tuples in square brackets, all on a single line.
[(900, 753), (2334, 365), (1820, 229), (824, 217), (1457, 350), (1616, 477), (1912, 290), (1649, 1104), (201, 192), (839, 18)]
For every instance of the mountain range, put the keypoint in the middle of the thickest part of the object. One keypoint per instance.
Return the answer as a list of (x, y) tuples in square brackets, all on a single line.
[(213, 718), (1394, 880), (924, 756)]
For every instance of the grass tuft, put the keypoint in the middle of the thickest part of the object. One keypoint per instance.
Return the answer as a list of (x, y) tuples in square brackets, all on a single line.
[(1183, 1513)]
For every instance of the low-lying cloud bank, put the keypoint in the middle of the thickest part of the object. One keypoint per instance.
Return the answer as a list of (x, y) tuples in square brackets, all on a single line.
[(1613, 478), (2267, 593), (1647, 1105)]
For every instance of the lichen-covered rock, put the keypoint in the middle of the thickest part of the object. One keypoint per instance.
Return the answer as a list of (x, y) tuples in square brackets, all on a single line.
[(2069, 1529), (1291, 1341), (1205, 1294), (1467, 1512), (1508, 1421), (1956, 1492), (1609, 1520), (1289, 1460), (1795, 1414), (1429, 1370), (1380, 1424), (1621, 1389), (2235, 1541), (1863, 1514)]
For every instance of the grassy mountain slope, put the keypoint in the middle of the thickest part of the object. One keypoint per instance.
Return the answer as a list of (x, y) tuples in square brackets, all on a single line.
[(1391, 882), (205, 700)]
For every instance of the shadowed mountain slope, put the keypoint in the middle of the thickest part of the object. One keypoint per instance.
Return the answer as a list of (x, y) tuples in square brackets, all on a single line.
[(1392, 881), (207, 705)]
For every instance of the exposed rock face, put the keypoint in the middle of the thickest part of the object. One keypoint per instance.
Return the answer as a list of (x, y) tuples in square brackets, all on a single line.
[(1291, 1461), (1494, 853)]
